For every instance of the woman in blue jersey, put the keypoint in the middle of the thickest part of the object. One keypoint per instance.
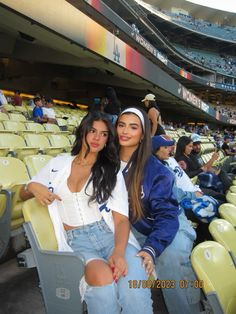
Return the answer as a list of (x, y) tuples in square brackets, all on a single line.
[(159, 224), (88, 204)]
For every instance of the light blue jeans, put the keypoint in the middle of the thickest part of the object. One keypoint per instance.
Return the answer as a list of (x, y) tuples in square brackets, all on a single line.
[(174, 264), (96, 241)]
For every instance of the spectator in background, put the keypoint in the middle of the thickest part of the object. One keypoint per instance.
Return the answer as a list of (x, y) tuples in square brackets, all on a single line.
[(209, 182), (17, 100), (48, 111), (154, 114), (113, 106), (38, 111), (229, 151)]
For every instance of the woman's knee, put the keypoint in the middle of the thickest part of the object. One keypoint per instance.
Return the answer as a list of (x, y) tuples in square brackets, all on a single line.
[(98, 273)]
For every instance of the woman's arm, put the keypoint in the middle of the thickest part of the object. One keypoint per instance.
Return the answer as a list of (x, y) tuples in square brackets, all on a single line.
[(117, 259), (40, 192), (153, 116)]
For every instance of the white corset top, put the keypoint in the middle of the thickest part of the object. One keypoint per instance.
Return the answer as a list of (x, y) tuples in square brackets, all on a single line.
[(75, 209)]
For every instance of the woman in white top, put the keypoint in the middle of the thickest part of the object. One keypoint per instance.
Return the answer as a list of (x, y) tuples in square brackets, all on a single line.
[(88, 205)]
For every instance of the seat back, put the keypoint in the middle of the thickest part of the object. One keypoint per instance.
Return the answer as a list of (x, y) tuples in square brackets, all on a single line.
[(52, 128), (35, 163), (14, 126), (17, 117), (37, 140), (228, 212), (39, 218), (11, 140), (213, 265), (3, 116), (224, 233), (35, 127), (13, 172), (58, 140), (231, 197)]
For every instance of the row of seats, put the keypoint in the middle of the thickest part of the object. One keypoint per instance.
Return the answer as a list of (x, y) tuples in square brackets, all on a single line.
[(32, 144), (61, 112), (215, 263), (18, 123)]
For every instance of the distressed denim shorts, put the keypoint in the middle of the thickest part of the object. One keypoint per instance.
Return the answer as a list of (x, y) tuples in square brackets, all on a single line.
[(92, 241)]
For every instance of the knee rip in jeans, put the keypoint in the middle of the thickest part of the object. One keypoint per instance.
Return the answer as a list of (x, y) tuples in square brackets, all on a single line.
[(84, 287)]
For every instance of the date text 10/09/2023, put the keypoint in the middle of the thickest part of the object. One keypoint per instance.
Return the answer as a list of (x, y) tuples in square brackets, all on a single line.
[(165, 284)]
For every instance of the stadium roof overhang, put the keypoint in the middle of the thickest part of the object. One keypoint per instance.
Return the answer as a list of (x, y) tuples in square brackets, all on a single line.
[(29, 50)]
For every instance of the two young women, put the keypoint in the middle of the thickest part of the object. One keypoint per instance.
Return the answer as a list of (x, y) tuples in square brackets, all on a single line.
[(88, 204)]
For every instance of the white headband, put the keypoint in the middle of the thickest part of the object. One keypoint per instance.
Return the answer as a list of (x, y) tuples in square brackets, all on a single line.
[(137, 112)]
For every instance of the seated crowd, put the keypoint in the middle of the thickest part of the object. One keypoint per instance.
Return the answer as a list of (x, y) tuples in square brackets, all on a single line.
[(124, 202)]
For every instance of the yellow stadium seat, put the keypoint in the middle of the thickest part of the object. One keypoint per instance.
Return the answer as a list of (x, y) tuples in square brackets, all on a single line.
[(9, 107), (233, 188), (224, 233), (59, 272), (215, 269), (13, 175), (34, 127), (35, 163), (52, 128), (231, 197), (16, 146), (42, 142), (17, 117), (58, 140), (4, 116), (14, 126), (228, 212), (71, 138)]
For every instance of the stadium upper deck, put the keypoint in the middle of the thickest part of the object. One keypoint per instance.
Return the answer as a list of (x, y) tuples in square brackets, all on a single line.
[(48, 35)]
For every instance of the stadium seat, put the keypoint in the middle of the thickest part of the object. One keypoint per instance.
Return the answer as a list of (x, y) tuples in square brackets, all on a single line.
[(9, 107), (224, 233), (14, 126), (17, 117), (4, 116), (13, 175), (71, 138), (58, 140), (15, 145), (232, 189), (231, 197), (34, 127), (43, 143), (228, 212), (214, 267), (59, 272), (35, 163), (52, 128)]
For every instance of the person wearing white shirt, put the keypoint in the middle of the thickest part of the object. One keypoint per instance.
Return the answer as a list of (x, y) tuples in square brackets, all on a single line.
[(88, 205)]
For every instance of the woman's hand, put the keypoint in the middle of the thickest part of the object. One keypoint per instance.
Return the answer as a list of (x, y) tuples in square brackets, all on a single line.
[(147, 262), (198, 194), (42, 194), (182, 164), (118, 265)]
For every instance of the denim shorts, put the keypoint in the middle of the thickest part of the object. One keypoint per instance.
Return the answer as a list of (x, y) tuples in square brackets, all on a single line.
[(92, 241)]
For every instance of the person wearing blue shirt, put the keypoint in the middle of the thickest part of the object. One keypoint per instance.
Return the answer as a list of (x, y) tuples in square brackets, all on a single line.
[(159, 224), (38, 111)]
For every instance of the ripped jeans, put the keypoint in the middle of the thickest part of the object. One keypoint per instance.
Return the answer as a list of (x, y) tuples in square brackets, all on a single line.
[(174, 264), (96, 241)]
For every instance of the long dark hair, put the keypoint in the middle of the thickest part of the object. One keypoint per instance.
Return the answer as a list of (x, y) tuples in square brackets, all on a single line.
[(181, 144), (107, 165), (136, 166)]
